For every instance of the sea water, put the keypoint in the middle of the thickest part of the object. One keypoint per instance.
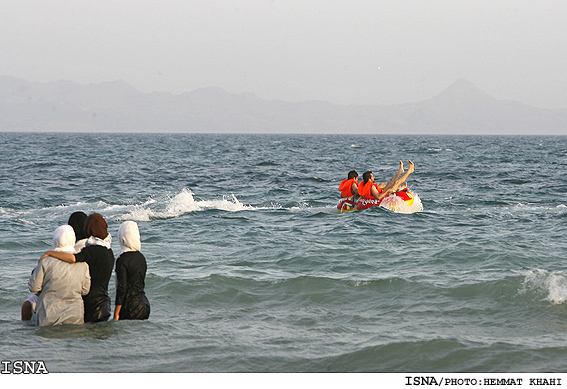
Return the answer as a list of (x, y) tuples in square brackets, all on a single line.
[(251, 268)]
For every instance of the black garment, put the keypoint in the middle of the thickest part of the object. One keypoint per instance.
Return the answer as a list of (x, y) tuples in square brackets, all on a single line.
[(130, 282), (100, 261)]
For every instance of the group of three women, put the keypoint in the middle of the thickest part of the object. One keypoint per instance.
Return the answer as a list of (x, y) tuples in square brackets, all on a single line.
[(71, 281)]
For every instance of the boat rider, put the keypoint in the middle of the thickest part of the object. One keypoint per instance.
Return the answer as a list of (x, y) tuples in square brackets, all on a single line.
[(369, 189), (349, 186)]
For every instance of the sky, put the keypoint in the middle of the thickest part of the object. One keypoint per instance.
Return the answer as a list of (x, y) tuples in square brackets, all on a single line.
[(345, 52)]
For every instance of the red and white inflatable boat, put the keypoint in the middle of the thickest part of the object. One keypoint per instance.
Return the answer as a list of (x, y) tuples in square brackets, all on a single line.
[(403, 201)]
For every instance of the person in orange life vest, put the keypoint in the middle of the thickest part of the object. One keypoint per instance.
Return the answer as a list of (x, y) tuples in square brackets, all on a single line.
[(368, 189), (349, 186)]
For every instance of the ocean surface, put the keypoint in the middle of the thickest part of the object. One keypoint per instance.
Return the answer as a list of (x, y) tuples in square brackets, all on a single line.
[(252, 269)]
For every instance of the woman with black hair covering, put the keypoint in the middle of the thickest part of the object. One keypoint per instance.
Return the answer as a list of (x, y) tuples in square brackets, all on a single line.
[(77, 220), (98, 255)]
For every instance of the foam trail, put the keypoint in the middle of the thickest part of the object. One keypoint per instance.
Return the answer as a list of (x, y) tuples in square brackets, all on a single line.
[(154, 208)]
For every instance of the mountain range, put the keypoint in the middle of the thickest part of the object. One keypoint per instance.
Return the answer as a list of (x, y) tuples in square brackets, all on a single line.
[(116, 106)]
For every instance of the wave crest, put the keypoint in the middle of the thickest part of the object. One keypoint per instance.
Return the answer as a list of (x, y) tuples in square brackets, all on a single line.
[(552, 284), (180, 204)]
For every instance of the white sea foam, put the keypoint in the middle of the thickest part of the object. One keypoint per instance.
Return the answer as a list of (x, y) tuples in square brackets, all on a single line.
[(180, 204), (551, 283), (534, 209), (25, 221), (163, 207)]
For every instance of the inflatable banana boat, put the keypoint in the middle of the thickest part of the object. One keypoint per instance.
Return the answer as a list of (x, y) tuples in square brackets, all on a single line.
[(403, 201)]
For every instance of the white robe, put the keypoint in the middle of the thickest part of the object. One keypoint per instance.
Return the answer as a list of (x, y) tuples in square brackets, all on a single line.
[(60, 285)]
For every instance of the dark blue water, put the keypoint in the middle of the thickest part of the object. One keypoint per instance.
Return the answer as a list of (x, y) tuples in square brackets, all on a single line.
[(252, 269)]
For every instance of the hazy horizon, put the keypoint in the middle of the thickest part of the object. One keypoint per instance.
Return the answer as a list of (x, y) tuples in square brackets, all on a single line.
[(349, 53), (460, 81)]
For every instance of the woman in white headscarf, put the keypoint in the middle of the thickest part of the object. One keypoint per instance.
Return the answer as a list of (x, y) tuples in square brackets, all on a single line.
[(131, 301), (60, 285)]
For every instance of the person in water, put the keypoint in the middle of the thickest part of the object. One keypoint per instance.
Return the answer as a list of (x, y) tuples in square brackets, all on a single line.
[(98, 255), (131, 301), (77, 221), (60, 285), (349, 186), (368, 189)]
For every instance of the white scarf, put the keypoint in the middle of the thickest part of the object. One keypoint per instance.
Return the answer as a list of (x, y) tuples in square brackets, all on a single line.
[(94, 241), (64, 239), (129, 237)]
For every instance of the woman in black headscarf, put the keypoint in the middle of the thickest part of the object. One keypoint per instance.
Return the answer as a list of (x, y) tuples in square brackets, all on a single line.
[(77, 220)]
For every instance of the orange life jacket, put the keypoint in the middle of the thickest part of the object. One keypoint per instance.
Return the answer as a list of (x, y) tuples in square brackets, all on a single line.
[(346, 187), (364, 189)]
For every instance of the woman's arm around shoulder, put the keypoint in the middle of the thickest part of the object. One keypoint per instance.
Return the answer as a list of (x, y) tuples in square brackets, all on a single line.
[(67, 257)]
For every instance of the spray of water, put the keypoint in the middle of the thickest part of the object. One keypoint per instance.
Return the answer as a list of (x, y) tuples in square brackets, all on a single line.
[(553, 284)]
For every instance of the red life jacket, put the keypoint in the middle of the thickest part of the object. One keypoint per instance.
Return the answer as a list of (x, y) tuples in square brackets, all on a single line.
[(346, 187), (364, 189)]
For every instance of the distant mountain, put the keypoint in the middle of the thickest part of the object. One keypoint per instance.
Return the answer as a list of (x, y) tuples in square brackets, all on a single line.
[(116, 106)]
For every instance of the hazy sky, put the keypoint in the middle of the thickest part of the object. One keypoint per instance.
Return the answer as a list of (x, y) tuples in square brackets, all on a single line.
[(346, 52)]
